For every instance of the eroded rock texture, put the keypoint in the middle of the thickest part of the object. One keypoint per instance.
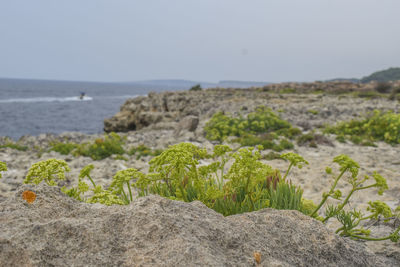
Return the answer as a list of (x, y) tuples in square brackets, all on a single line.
[(167, 110), (58, 231)]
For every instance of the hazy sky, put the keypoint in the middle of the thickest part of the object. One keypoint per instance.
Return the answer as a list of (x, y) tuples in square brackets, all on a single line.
[(203, 40)]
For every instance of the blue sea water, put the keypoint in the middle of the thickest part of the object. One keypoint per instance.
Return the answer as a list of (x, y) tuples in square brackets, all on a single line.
[(32, 107)]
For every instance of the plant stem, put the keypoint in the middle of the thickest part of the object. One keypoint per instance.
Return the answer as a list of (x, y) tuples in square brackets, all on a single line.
[(341, 206), (247, 193), (130, 191), (371, 238), (90, 178), (339, 229), (125, 197), (287, 171), (366, 187), (330, 192)]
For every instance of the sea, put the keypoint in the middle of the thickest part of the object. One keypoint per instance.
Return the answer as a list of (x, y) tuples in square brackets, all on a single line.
[(32, 107)]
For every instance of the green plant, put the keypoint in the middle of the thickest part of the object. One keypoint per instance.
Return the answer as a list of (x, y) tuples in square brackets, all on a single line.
[(143, 151), (350, 220), (313, 111), (271, 156), (47, 170), (122, 179), (98, 194), (63, 148), (196, 87), (383, 87), (245, 187), (120, 157), (261, 127), (287, 90), (377, 126), (102, 148), (368, 94), (14, 146), (3, 167)]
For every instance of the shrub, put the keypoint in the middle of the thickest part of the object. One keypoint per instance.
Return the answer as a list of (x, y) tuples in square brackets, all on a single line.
[(383, 87), (102, 148), (313, 111), (271, 156), (395, 94), (196, 87), (313, 139), (287, 90), (14, 146), (367, 94), (261, 127), (63, 148), (143, 151), (377, 126)]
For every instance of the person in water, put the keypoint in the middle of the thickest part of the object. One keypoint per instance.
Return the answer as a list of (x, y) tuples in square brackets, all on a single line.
[(82, 95)]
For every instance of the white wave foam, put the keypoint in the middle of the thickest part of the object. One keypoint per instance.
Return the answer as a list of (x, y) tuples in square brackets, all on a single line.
[(45, 99)]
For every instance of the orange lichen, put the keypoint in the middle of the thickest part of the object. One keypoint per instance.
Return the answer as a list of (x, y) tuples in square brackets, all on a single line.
[(257, 257), (29, 196)]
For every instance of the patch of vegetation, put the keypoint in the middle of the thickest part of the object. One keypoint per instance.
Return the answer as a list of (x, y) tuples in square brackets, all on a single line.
[(120, 157), (383, 87), (307, 139), (313, 111), (247, 186), (3, 167), (143, 151), (271, 156), (377, 126), (101, 148), (395, 94), (368, 94), (63, 148), (261, 127), (14, 146), (287, 91), (317, 91), (313, 140), (196, 87)]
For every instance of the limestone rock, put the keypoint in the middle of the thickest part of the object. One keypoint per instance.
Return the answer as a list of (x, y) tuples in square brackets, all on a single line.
[(168, 107), (153, 231), (188, 123)]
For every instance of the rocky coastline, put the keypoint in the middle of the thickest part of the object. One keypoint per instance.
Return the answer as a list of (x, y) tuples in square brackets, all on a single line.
[(162, 119)]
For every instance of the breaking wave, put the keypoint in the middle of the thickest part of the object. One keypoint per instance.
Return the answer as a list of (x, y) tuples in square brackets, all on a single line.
[(45, 99)]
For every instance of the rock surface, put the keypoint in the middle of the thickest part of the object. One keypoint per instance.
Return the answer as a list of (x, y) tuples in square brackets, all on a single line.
[(166, 110), (55, 230)]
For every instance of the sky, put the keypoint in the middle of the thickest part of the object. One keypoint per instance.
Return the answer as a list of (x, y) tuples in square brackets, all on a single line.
[(201, 40)]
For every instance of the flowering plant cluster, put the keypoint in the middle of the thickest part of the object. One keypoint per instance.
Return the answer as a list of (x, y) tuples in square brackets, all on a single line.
[(377, 126), (187, 173), (261, 127)]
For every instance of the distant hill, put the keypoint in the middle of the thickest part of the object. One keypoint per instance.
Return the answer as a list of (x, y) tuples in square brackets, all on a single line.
[(391, 74)]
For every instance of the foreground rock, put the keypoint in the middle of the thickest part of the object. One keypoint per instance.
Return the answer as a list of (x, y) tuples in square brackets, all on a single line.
[(57, 231)]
